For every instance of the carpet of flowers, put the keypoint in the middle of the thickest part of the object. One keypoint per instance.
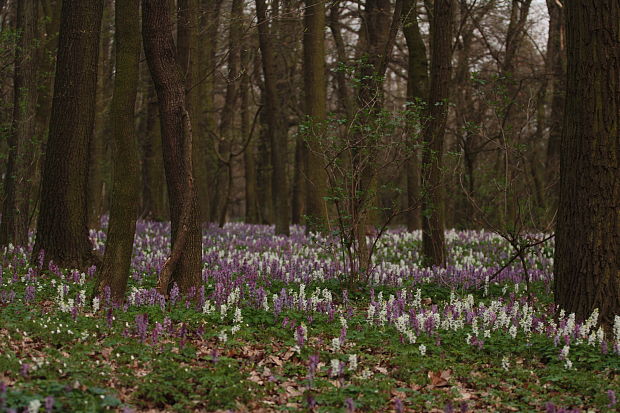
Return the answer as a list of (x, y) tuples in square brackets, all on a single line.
[(274, 328)]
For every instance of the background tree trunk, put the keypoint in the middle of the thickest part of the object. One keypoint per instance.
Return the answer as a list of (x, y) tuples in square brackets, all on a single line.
[(433, 243), (185, 260), (125, 185), (153, 181), (276, 127), (18, 186), (99, 155), (417, 91), (227, 133), (556, 67), (62, 229), (249, 155), (587, 240)]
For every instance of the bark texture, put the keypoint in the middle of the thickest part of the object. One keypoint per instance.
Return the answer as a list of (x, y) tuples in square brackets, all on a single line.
[(315, 93), (62, 229), (433, 221), (124, 198), (183, 267), (587, 254)]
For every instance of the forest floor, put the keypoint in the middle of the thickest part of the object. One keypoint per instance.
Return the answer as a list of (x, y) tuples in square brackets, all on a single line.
[(273, 329)]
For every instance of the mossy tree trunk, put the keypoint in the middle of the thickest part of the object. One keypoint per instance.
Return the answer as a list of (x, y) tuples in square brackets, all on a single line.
[(124, 198)]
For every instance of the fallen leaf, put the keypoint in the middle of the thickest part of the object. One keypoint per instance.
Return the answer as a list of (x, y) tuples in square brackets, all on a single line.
[(439, 378)]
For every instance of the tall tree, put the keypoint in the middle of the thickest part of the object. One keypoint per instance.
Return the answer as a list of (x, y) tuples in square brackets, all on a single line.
[(417, 91), (183, 266), (22, 143), (98, 148), (249, 155), (62, 229), (227, 134), (556, 66), (587, 240), (124, 198), (315, 93), (433, 242), (276, 127)]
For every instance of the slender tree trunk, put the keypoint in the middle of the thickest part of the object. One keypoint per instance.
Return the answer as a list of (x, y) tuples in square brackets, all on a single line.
[(297, 188), (45, 86), (226, 122), (249, 155), (417, 91), (114, 272), (205, 159), (344, 96), (98, 153), (22, 140), (587, 241), (62, 229), (153, 185), (433, 221), (556, 66), (315, 92), (184, 264), (277, 129)]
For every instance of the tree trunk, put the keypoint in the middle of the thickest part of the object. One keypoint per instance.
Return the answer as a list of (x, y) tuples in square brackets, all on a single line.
[(153, 185), (417, 90), (226, 122), (62, 229), (124, 197), (205, 158), (277, 129), (184, 264), (315, 92), (98, 148), (249, 155), (587, 241), (433, 243), (22, 139), (556, 66)]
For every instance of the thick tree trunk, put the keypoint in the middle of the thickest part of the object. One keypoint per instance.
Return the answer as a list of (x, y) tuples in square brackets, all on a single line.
[(315, 92), (22, 141), (587, 248), (184, 265), (124, 198), (62, 229), (417, 90), (277, 129), (433, 242)]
